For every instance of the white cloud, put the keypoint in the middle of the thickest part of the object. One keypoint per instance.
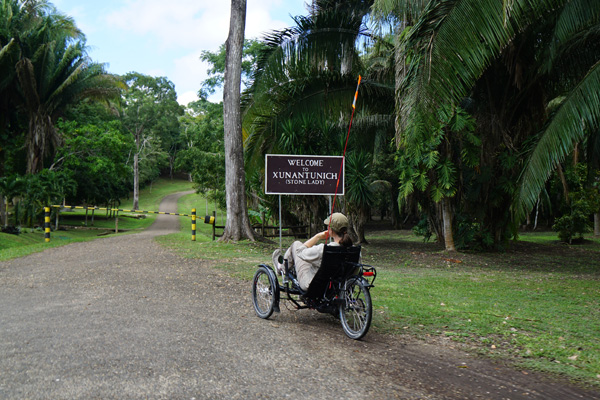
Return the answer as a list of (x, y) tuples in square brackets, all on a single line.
[(185, 98), (165, 38), (154, 72), (259, 22), (259, 19), (182, 23), (189, 72), (192, 23)]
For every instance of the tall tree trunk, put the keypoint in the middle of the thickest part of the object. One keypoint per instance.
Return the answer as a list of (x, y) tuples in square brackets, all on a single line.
[(347, 57), (563, 180), (396, 223), (597, 224), (363, 216), (315, 220), (171, 165), (136, 172), (3, 207), (447, 216), (238, 224), (36, 141), (400, 73)]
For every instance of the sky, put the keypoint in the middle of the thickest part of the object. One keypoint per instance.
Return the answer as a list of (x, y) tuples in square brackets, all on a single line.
[(165, 38)]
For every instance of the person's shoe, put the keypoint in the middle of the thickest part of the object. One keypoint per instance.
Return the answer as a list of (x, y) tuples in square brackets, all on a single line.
[(278, 261)]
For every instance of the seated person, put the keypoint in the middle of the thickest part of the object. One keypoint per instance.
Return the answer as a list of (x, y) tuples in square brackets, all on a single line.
[(306, 257)]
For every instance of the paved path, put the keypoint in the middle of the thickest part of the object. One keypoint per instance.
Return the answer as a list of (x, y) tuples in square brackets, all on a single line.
[(123, 318)]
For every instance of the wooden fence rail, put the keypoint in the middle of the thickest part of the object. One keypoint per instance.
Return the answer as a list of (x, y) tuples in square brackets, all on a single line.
[(299, 231)]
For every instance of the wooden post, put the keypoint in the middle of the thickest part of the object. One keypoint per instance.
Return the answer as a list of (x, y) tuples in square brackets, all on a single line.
[(116, 221), (213, 225), (57, 216)]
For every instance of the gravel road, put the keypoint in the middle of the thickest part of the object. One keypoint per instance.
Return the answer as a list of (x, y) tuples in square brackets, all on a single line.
[(123, 318)]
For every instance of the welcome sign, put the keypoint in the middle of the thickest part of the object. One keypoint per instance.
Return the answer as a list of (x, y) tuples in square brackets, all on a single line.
[(304, 175)]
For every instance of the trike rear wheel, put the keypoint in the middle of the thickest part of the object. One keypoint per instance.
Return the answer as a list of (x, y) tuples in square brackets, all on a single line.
[(356, 309), (264, 289)]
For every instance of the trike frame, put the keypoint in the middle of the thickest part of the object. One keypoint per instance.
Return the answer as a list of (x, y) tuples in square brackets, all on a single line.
[(341, 287)]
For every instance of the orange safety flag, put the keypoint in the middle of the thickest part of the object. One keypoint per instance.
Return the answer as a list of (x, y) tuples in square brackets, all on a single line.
[(356, 93)]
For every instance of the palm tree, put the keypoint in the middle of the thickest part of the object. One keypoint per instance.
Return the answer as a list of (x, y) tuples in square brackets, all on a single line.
[(310, 68), (508, 83), (51, 71), (400, 15), (575, 55), (300, 99), (435, 160), (58, 75), (360, 194), (18, 22)]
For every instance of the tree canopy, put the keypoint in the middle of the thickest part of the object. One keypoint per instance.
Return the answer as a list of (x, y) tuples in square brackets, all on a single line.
[(474, 119)]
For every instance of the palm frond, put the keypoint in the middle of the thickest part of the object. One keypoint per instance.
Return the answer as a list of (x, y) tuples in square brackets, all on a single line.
[(8, 55), (407, 10), (359, 189), (576, 16), (574, 45), (27, 82), (580, 112), (456, 40)]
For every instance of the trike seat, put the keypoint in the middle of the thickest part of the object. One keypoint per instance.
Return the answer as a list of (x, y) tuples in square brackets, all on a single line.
[(337, 262)]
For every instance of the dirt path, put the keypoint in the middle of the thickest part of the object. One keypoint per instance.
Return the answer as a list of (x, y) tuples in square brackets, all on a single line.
[(123, 318)]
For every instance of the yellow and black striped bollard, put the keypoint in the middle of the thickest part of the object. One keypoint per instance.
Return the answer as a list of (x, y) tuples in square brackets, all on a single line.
[(46, 224), (193, 224)]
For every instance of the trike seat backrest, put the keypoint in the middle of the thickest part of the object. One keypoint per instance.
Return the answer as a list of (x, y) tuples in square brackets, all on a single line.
[(333, 265)]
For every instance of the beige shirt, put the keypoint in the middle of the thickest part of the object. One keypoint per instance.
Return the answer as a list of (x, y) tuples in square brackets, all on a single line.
[(314, 254), (306, 261)]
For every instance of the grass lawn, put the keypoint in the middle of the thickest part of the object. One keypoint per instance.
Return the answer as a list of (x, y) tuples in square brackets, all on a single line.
[(537, 303), (12, 246)]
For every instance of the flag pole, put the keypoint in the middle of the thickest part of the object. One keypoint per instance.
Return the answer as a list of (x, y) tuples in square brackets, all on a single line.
[(345, 148)]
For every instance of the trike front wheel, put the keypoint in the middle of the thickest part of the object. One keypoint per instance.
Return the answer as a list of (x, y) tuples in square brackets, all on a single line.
[(356, 309)]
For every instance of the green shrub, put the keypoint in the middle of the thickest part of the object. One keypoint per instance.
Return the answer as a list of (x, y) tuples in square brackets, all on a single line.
[(423, 229), (576, 221)]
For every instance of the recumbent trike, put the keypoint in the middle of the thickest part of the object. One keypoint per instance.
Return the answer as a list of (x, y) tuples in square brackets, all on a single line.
[(341, 287)]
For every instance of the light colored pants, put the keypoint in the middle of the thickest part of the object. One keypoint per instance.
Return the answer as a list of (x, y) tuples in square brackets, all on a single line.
[(305, 271)]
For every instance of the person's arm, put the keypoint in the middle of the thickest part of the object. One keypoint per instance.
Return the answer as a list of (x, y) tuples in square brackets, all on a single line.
[(315, 239)]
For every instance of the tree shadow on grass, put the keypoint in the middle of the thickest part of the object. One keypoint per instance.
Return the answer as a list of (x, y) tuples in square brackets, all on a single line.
[(401, 249)]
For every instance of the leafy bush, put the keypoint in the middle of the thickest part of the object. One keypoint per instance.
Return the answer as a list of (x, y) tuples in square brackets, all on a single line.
[(423, 229), (13, 230), (576, 221), (471, 235)]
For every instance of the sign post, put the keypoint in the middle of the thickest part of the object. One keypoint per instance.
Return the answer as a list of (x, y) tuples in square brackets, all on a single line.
[(280, 247)]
